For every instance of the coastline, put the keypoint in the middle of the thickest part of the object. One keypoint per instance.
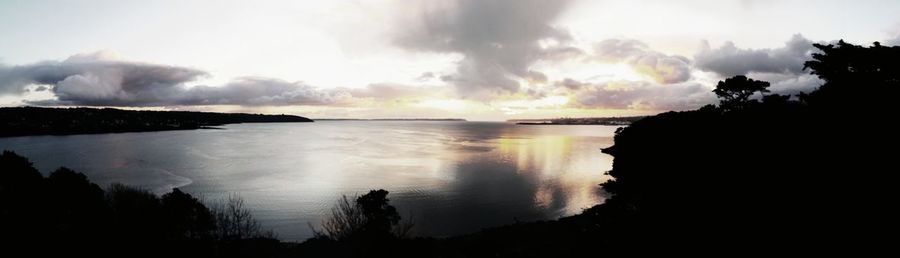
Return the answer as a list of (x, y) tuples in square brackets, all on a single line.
[(34, 121)]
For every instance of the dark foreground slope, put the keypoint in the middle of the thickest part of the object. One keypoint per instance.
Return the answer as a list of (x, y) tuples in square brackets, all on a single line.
[(66, 215), (18, 121)]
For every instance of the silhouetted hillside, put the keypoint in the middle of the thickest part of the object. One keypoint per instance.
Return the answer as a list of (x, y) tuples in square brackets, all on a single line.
[(18, 121), (65, 214)]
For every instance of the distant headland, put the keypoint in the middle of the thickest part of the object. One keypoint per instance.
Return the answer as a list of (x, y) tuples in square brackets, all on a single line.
[(627, 120), (22, 121)]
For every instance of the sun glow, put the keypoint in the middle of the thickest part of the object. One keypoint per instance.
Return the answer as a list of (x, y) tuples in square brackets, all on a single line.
[(445, 104)]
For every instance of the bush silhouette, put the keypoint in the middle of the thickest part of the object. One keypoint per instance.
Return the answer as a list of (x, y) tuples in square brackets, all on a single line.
[(369, 217), (79, 205), (186, 217), (236, 222)]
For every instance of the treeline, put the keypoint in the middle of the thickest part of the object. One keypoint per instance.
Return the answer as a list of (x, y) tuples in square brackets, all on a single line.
[(19, 121), (64, 214)]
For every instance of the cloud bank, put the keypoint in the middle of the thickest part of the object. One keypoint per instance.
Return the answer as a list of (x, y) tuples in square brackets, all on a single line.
[(638, 95), (99, 79), (729, 60), (661, 81)]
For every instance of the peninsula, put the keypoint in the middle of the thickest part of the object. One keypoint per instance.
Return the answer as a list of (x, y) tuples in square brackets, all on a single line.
[(21, 121)]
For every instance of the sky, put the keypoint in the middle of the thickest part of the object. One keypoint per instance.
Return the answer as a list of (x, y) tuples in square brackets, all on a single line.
[(472, 59)]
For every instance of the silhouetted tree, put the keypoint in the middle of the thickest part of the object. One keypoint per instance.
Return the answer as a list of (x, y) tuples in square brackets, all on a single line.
[(79, 206), (186, 217), (345, 222), (137, 214), (370, 216), (235, 222), (735, 92), (380, 216), (22, 199), (855, 76)]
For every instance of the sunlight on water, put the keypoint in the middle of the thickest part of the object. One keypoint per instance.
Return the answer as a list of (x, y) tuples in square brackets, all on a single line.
[(451, 177)]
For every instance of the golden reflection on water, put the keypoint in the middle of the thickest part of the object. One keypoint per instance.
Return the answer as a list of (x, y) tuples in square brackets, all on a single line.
[(567, 173)]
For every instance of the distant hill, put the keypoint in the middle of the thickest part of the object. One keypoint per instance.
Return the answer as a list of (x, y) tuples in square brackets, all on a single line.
[(20, 121), (579, 121)]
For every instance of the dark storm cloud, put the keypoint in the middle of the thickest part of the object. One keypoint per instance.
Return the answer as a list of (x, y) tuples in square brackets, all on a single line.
[(661, 67), (499, 40), (87, 80), (92, 80), (729, 60)]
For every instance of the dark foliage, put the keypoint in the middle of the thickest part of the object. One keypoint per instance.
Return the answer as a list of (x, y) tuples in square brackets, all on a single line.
[(735, 92), (186, 217), (366, 226), (779, 174), (65, 214), (18, 121)]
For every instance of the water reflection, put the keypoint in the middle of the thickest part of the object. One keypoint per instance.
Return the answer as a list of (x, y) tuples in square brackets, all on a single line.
[(452, 177)]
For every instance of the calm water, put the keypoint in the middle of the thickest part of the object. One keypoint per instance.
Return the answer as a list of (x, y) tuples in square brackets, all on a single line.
[(451, 177)]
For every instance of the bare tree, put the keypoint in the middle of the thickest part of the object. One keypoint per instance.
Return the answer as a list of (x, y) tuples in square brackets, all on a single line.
[(345, 221), (364, 216), (234, 221)]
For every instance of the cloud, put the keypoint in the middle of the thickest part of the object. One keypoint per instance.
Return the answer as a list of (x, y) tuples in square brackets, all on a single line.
[(499, 40), (661, 67), (101, 79), (728, 60), (97, 77), (641, 95), (894, 38), (257, 91), (893, 42), (571, 84), (393, 91), (789, 84)]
